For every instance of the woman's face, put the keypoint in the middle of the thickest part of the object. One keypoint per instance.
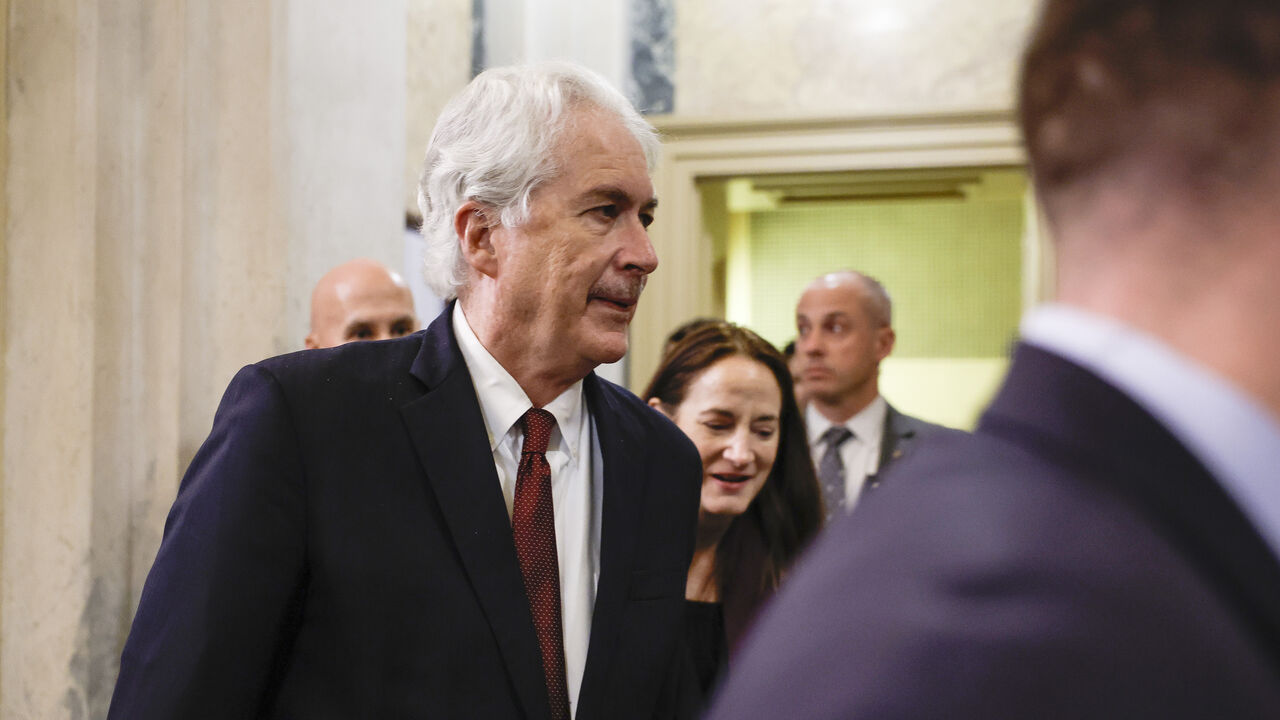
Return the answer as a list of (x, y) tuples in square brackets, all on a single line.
[(731, 411)]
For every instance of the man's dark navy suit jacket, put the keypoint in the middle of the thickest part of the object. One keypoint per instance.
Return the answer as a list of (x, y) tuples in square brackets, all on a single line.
[(340, 548)]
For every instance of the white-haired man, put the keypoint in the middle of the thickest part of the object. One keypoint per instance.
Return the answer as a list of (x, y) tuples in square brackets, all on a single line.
[(466, 522)]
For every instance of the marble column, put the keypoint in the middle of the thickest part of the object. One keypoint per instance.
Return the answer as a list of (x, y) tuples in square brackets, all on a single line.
[(49, 360), (176, 176)]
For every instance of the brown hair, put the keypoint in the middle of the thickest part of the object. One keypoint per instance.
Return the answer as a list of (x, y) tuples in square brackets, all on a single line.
[(683, 331), (1191, 86), (761, 543)]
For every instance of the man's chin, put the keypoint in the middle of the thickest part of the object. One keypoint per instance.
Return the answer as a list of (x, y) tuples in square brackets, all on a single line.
[(610, 355), (606, 347)]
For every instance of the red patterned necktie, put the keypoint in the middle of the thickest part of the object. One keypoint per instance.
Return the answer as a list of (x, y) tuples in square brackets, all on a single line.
[(533, 523)]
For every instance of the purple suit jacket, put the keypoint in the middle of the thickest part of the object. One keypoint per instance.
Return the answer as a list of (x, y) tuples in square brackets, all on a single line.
[(1069, 560)]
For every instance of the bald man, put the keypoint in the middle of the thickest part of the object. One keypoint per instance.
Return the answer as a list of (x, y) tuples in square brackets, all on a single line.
[(844, 325), (360, 300)]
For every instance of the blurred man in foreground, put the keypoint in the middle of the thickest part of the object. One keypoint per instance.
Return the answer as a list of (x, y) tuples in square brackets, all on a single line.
[(1105, 545), (360, 299)]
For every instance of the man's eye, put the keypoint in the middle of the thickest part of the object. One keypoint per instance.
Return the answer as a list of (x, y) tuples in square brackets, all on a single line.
[(606, 211), (646, 219), (360, 333), (400, 329)]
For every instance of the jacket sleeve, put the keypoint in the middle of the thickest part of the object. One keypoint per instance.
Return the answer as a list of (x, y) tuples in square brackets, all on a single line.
[(219, 603)]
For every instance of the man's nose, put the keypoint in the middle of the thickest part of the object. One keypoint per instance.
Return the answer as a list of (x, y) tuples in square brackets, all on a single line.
[(637, 252)]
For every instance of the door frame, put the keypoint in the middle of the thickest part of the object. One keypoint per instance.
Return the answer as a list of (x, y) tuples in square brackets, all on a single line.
[(694, 149)]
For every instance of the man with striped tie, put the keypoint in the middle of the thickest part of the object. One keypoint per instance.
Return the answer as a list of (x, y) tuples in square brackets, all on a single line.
[(845, 328)]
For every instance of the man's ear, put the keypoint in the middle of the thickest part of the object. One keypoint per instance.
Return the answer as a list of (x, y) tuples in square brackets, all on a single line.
[(885, 337), (310, 343), (474, 223)]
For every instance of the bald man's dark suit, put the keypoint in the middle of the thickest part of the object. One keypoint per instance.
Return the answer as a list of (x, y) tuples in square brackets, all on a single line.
[(1070, 559), (340, 548), (900, 435)]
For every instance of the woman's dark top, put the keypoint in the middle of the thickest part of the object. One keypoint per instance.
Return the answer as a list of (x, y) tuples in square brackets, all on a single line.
[(705, 638)]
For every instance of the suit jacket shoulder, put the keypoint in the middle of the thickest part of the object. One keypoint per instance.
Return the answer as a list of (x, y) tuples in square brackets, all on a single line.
[(1069, 559), (901, 434)]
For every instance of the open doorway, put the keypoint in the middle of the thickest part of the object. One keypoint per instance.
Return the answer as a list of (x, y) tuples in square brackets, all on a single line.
[(946, 243), (937, 207)]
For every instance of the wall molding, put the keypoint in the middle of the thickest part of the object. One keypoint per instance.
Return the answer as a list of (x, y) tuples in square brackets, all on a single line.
[(705, 148)]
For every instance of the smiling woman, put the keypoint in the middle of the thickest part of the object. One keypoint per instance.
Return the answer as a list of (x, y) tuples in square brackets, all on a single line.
[(730, 391)]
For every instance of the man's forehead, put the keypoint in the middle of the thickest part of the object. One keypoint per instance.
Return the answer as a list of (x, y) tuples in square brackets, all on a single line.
[(596, 141), (841, 297), (823, 313), (373, 315)]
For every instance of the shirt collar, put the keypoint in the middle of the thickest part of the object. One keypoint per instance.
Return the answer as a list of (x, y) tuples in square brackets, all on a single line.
[(503, 402), (866, 425), (1235, 438)]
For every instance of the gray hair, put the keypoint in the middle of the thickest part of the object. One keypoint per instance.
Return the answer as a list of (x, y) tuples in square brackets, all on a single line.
[(495, 143), (879, 303)]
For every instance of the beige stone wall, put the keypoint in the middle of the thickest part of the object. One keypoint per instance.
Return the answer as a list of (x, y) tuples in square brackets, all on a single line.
[(799, 57), (47, 373), (4, 282), (438, 64), (175, 177)]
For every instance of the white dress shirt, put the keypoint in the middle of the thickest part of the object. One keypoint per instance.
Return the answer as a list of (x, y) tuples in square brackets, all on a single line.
[(860, 454), (1233, 436), (576, 477)]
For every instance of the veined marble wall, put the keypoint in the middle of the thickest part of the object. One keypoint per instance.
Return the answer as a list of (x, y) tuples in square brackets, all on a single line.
[(651, 83), (177, 175), (819, 57)]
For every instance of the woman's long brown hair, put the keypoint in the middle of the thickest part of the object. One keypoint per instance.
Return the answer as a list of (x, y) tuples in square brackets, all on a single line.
[(761, 544)]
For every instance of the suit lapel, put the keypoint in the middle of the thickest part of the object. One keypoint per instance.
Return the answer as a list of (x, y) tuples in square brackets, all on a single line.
[(624, 488), (449, 435), (1063, 412), (893, 442)]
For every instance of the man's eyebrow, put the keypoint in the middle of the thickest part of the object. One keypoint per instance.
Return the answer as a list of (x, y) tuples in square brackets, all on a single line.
[(615, 194)]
